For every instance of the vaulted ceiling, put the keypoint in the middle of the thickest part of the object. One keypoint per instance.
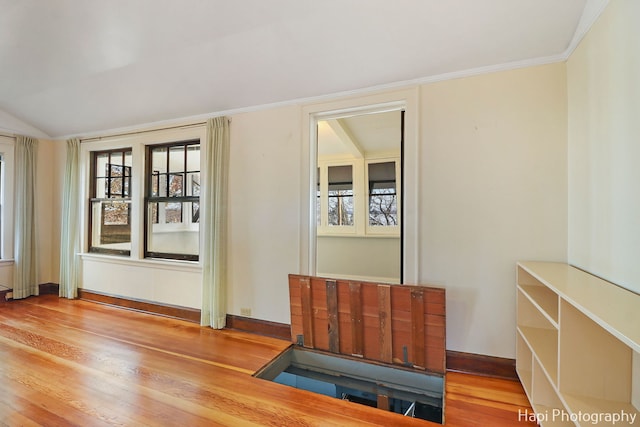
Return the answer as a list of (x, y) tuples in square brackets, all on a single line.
[(74, 67)]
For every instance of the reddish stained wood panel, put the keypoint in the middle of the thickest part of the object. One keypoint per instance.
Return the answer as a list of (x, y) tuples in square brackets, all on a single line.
[(307, 312), (400, 324), (384, 316), (357, 322), (332, 311), (418, 328)]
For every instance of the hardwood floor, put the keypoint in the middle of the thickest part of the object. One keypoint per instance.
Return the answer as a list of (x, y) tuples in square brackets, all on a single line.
[(65, 363)]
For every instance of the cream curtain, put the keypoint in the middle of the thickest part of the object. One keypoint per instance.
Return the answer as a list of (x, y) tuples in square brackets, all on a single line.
[(25, 277), (69, 236), (214, 224)]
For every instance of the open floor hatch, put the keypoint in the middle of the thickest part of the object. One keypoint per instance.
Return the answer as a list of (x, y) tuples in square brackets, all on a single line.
[(409, 392)]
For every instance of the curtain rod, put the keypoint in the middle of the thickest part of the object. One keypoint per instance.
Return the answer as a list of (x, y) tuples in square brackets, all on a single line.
[(138, 132)]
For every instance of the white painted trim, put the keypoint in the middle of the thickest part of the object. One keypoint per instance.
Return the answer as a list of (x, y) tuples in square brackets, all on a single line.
[(592, 11), (392, 280), (164, 264), (387, 101)]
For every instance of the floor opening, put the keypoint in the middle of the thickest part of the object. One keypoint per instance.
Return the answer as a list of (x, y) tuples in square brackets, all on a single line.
[(408, 392)]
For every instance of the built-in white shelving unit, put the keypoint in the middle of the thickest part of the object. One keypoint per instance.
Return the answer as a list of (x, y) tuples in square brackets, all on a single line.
[(578, 346)]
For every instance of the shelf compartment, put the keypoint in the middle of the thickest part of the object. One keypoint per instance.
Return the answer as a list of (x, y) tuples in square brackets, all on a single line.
[(540, 334), (524, 364), (597, 368), (544, 343), (541, 296), (546, 403), (588, 405)]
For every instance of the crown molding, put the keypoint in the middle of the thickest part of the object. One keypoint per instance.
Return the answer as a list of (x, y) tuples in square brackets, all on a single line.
[(592, 11)]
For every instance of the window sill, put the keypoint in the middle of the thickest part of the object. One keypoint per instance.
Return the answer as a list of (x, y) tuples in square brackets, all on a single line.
[(360, 236), (8, 261), (166, 264)]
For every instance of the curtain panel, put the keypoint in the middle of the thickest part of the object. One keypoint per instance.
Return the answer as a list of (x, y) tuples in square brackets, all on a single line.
[(214, 224), (25, 273), (70, 236)]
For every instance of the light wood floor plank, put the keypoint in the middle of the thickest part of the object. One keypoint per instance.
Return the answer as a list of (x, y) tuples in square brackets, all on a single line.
[(66, 363)]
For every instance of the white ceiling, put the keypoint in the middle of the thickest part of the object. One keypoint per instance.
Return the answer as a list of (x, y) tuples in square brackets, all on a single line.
[(360, 136), (76, 67)]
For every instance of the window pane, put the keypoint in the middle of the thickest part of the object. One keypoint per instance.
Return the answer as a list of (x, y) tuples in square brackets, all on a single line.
[(116, 158), (383, 206), (128, 160), (169, 237), (172, 212), (193, 158), (101, 188), (102, 160), (176, 159), (193, 184), (159, 159), (176, 185), (195, 212), (111, 226), (340, 195)]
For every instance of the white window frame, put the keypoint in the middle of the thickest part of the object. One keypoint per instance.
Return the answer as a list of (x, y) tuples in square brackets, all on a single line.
[(383, 230), (138, 141), (401, 99), (360, 227), (324, 228)]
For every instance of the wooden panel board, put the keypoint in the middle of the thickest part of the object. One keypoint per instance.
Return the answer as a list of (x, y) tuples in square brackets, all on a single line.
[(384, 314), (357, 324), (307, 312), (417, 328), (332, 313), (398, 324)]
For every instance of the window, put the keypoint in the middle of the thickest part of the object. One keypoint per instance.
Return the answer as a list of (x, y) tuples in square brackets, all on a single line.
[(340, 195), (383, 203), (110, 213), (358, 197), (173, 201)]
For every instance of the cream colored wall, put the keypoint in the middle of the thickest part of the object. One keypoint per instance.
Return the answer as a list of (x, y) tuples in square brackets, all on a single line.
[(48, 244), (493, 174), (264, 211), (604, 147), (368, 258)]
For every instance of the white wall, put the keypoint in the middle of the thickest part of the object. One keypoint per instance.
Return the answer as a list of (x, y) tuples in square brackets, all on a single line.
[(370, 258), (48, 245), (604, 147), (264, 211), (493, 179)]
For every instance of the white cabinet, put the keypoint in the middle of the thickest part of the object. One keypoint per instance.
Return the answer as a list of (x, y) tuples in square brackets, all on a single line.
[(578, 346)]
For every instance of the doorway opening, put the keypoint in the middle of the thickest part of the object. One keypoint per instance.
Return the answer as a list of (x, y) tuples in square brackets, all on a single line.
[(359, 194)]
